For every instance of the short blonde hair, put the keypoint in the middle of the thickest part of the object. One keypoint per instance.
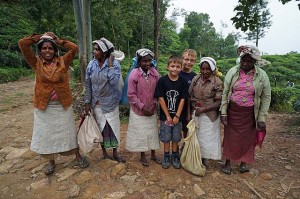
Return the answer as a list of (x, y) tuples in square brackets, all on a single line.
[(190, 52), (176, 59)]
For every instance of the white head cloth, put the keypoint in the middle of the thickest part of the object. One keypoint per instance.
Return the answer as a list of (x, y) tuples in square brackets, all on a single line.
[(144, 52), (211, 62), (253, 51), (104, 44)]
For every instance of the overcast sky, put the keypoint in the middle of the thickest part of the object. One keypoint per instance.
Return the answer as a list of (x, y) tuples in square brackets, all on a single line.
[(281, 38)]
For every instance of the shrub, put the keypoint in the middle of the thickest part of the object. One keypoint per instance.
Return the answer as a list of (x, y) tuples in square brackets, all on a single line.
[(284, 99), (13, 74)]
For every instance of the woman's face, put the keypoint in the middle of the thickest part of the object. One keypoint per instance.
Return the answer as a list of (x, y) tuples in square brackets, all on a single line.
[(205, 70), (247, 63), (47, 51), (145, 63), (97, 52)]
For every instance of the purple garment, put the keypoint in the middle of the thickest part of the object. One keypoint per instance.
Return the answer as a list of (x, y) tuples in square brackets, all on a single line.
[(141, 91)]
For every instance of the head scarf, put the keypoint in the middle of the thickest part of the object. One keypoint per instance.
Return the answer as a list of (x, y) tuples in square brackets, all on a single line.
[(211, 62), (253, 51), (104, 44), (142, 53), (47, 38)]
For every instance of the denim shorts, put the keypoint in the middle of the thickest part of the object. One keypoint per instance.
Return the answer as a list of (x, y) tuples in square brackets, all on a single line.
[(170, 133)]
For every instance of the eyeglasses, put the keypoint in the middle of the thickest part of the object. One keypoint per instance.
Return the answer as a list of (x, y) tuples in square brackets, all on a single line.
[(191, 60)]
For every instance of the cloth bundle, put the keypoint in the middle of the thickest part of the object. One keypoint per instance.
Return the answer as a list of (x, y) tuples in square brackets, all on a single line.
[(191, 155)]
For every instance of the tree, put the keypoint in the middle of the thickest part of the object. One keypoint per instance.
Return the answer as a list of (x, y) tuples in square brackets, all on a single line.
[(244, 19), (155, 25), (84, 34), (262, 23), (199, 32)]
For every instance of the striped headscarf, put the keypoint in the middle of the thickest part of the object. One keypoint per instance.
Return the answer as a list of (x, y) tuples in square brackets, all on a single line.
[(211, 62), (104, 44)]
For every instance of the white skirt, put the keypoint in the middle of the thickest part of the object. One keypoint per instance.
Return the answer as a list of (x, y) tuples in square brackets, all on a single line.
[(142, 133), (113, 119), (208, 135), (54, 129)]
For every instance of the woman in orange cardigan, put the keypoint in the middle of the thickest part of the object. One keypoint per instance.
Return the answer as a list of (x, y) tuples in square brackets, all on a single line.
[(54, 130)]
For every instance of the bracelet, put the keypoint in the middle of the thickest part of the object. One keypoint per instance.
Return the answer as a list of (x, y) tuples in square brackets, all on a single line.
[(176, 116)]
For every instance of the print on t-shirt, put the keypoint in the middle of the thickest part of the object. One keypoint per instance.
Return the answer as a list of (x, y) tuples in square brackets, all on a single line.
[(172, 96)]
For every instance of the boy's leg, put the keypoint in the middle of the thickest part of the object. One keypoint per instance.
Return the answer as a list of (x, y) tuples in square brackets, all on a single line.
[(176, 138), (165, 137), (167, 157)]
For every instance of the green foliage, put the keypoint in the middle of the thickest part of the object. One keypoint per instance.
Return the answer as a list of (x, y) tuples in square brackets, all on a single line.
[(13, 74), (285, 99)]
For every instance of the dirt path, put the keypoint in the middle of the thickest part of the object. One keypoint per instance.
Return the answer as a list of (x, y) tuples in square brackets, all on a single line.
[(276, 173)]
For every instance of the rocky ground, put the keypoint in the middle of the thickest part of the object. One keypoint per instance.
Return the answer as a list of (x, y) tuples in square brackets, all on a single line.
[(276, 173)]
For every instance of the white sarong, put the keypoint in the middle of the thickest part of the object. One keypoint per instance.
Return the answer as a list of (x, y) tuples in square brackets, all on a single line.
[(54, 129), (208, 135), (113, 119), (142, 133)]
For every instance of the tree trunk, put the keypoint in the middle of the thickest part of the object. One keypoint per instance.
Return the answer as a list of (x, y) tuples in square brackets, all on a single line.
[(155, 32), (84, 34)]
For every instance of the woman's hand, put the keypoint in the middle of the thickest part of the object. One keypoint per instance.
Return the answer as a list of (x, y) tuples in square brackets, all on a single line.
[(51, 34), (148, 110), (261, 126), (199, 110), (224, 119), (87, 109), (111, 60)]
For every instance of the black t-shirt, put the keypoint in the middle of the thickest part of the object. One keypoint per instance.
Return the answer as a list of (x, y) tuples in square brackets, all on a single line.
[(172, 92), (188, 77)]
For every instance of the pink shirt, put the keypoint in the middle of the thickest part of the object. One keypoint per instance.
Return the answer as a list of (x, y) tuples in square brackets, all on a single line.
[(243, 89), (141, 91)]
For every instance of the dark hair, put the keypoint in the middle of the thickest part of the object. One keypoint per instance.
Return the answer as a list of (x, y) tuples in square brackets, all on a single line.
[(40, 44)]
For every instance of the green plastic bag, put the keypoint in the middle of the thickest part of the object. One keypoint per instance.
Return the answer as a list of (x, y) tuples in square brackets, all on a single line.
[(191, 155)]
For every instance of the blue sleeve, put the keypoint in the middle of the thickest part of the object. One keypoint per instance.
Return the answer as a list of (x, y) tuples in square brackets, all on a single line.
[(114, 73)]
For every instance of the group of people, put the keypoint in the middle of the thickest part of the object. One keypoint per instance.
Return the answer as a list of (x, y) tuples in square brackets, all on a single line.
[(240, 103)]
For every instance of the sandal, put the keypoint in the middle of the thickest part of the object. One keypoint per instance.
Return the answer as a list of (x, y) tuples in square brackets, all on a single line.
[(119, 159), (226, 170), (83, 163), (156, 160), (243, 169), (144, 163), (50, 168)]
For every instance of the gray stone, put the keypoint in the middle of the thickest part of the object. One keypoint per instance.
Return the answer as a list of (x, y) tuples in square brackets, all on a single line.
[(115, 195), (39, 184), (198, 191), (74, 191), (172, 196), (83, 177), (129, 179), (62, 188), (117, 169), (16, 153), (4, 167), (288, 167), (65, 174)]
